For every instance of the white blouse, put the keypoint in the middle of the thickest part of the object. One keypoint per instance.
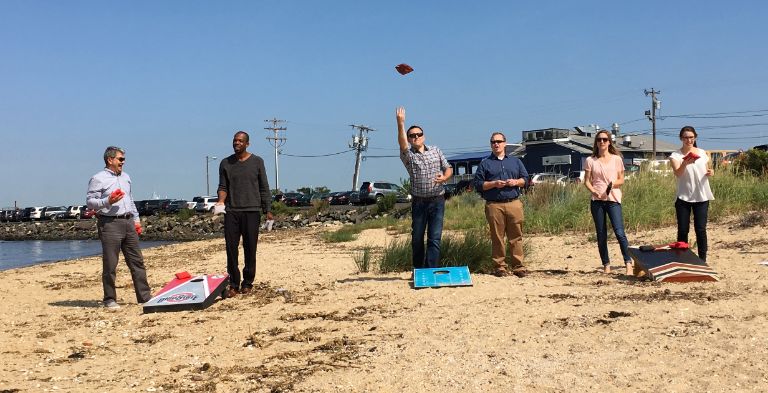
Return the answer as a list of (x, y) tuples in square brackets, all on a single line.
[(693, 184)]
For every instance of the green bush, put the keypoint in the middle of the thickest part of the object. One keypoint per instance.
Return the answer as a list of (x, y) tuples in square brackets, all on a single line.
[(754, 162), (185, 214), (280, 209), (386, 203), (363, 260), (320, 206)]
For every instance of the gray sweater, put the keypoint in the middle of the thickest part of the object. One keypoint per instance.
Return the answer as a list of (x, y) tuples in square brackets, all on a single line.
[(245, 183)]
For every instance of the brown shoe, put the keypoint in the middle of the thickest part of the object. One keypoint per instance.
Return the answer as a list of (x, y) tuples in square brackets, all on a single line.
[(520, 272), (230, 292), (501, 273), (246, 290)]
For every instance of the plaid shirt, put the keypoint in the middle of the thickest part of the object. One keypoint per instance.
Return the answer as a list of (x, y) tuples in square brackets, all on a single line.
[(423, 168)]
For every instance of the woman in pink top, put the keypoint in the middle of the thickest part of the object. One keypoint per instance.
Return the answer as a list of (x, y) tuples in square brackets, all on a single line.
[(603, 177)]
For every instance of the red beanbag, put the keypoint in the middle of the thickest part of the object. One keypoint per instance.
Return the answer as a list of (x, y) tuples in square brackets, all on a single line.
[(403, 69)]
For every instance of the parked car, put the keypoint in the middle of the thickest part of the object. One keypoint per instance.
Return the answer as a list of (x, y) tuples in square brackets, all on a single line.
[(204, 203), (176, 205), (545, 177), (354, 197), (54, 212), (341, 198), (87, 213), (296, 199), (371, 192), (75, 211), (153, 207), (319, 196)]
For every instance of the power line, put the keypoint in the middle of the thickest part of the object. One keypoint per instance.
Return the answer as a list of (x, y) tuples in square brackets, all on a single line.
[(318, 155)]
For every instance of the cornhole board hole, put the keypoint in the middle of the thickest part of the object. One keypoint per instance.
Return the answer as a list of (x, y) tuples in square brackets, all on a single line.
[(671, 265), (186, 292), (457, 276)]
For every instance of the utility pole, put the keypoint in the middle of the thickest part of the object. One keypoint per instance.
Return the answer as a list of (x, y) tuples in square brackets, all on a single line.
[(359, 143), (276, 141), (655, 104)]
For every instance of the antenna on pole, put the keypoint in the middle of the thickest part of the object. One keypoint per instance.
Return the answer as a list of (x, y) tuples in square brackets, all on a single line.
[(360, 144), (276, 141)]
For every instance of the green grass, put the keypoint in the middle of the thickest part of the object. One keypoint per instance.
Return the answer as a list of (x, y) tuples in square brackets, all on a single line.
[(349, 232), (363, 260)]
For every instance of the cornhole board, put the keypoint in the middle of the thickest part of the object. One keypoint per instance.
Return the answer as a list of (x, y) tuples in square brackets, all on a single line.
[(186, 292), (671, 265), (457, 276)]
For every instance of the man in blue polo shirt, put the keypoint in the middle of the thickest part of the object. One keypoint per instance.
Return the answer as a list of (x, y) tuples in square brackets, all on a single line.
[(498, 179), (109, 194), (428, 170)]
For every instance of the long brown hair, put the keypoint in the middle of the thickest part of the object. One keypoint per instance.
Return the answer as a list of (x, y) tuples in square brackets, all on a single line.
[(611, 148)]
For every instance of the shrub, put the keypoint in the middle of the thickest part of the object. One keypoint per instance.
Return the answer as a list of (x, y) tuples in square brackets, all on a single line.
[(185, 214), (363, 260), (386, 203), (754, 162), (319, 206), (280, 209)]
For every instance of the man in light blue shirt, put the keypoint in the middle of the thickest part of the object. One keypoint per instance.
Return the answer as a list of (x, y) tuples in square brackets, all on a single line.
[(109, 194)]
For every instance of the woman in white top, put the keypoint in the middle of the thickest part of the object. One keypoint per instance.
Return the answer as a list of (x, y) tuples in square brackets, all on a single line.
[(691, 167), (603, 177)]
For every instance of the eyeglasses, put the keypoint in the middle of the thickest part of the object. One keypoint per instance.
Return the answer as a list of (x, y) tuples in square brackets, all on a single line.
[(602, 139), (121, 159), (495, 142), (687, 137), (416, 135)]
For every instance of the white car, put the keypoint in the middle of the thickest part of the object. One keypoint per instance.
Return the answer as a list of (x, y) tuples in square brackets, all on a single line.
[(204, 204)]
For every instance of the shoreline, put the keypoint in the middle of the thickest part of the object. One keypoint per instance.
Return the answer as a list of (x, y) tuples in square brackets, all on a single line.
[(313, 323)]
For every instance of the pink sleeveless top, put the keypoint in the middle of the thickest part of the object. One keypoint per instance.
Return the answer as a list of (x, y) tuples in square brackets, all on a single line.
[(604, 173)]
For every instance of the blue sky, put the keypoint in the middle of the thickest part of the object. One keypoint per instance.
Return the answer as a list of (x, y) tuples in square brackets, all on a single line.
[(171, 81)]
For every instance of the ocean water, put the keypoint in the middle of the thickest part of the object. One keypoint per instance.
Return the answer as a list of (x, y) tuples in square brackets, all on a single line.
[(14, 254)]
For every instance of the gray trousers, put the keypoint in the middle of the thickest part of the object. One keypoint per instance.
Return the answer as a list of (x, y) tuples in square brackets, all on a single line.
[(118, 234)]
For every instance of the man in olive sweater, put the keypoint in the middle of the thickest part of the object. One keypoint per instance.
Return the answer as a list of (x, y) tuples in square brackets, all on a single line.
[(244, 192)]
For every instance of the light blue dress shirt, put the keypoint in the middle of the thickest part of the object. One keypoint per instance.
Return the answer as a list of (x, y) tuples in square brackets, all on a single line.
[(102, 185)]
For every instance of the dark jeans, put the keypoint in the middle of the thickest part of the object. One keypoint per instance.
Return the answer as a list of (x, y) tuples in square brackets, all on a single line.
[(245, 224), (427, 214), (599, 210), (119, 234), (683, 212)]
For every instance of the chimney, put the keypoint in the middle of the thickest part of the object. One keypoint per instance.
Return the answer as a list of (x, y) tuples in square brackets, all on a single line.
[(627, 140)]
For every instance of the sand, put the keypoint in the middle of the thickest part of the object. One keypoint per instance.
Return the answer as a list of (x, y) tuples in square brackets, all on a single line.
[(314, 324)]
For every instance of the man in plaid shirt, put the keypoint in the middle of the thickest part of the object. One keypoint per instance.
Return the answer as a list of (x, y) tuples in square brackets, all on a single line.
[(428, 170)]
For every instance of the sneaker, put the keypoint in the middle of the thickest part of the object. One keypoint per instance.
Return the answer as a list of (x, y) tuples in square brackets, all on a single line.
[(111, 304)]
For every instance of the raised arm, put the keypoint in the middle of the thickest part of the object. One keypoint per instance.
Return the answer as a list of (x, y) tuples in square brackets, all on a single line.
[(402, 140)]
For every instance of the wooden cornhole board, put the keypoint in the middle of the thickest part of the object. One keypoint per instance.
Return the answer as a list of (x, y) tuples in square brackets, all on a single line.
[(186, 292), (671, 265), (457, 276)]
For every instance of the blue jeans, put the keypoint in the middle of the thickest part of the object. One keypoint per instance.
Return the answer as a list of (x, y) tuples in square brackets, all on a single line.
[(700, 211), (427, 216), (613, 209)]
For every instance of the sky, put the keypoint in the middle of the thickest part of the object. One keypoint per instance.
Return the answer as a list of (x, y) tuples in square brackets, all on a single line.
[(172, 81)]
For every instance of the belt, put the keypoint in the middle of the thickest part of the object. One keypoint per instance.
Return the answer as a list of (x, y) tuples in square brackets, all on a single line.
[(429, 199), (502, 200), (125, 216)]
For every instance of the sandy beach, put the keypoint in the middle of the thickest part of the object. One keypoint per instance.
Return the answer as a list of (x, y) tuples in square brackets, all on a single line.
[(314, 324)]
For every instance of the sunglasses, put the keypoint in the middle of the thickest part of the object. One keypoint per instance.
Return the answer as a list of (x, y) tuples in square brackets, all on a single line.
[(602, 139), (121, 159), (416, 135), (496, 142)]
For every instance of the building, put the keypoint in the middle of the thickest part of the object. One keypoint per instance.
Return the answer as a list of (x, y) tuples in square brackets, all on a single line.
[(561, 150)]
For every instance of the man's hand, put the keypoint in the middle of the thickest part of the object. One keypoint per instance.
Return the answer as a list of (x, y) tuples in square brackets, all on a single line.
[(441, 178), (269, 216), (116, 196), (500, 183), (137, 225), (512, 183), (400, 114)]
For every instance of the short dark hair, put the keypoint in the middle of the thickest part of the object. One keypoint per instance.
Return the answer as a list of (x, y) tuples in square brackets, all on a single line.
[(247, 137), (111, 152), (499, 133), (412, 127)]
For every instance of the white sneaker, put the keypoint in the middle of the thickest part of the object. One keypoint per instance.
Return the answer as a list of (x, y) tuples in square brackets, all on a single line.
[(111, 304)]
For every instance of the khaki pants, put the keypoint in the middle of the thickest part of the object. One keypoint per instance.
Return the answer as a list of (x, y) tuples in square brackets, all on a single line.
[(506, 219)]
